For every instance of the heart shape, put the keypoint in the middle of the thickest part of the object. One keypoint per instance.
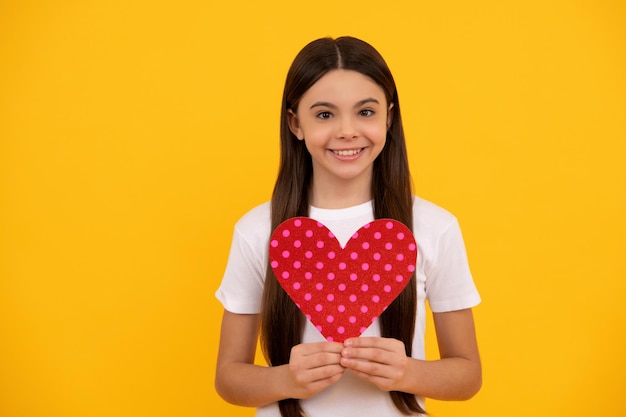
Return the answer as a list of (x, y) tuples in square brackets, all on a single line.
[(342, 290)]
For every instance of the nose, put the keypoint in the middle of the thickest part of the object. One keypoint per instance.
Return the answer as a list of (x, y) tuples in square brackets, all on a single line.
[(347, 128)]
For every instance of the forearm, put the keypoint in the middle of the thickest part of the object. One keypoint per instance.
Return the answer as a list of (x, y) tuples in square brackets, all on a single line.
[(444, 379), (251, 385)]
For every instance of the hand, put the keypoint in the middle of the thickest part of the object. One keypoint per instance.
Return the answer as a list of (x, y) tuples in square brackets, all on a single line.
[(313, 367), (381, 361)]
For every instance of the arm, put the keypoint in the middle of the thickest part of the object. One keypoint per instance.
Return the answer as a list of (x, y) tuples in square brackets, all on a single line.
[(456, 376), (239, 381)]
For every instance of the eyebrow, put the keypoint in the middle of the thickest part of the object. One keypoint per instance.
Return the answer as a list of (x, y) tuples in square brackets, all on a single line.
[(332, 106)]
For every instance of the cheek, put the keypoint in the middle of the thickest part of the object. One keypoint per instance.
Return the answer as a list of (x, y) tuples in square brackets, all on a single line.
[(317, 134), (376, 133)]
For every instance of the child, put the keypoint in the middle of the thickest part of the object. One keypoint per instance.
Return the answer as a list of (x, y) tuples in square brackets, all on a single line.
[(344, 164)]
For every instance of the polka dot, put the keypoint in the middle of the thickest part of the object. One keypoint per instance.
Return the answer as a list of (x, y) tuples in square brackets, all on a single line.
[(353, 277), (308, 254), (329, 338), (296, 286), (365, 266), (399, 278), (330, 235), (307, 297), (364, 309), (308, 275), (354, 255), (400, 236), (319, 286), (308, 233), (285, 254), (331, 255), (285, 274), (352, 298), (389, 225), (364, 329), (274, 264), (352, 319), (341, 330), (330, 297), (330, 276), (412, 246), (387, 288), (377, 256), (355, 235), (342, 287), (297, 265), (365, 245), (297, 222), (330, 319), (377, 235), (274, 243), (376, 299), (341, 308), (318, 308), (411, 268), (342, 266), (400, 257), (388, 267), (376, 277), (319, 224), (286, 233), (364, 288), (319, 265), (297, 243), (388, 246), (319, 328), (319, 244)]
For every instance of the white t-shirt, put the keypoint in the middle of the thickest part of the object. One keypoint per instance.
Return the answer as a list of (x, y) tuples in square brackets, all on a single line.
[(443, 278)]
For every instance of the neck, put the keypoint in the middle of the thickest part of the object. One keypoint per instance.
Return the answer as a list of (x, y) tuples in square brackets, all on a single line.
[(339, 194)]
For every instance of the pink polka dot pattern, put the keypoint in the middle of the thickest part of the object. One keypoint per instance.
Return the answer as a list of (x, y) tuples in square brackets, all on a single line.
[(342, 290)]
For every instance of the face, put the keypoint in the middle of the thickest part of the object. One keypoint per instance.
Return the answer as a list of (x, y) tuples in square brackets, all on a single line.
[(343, 120)]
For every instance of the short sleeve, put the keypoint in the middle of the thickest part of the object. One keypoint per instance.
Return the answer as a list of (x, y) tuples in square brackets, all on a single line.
[(241, 289), (449, 282)]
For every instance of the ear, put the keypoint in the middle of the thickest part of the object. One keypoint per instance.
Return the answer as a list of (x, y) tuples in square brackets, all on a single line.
[(389, 115), (294, 124)]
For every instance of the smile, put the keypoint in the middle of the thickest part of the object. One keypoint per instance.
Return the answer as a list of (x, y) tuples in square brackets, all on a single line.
[(348, 152)]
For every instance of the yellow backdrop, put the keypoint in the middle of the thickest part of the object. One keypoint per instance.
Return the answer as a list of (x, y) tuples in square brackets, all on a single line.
[(133, 134)]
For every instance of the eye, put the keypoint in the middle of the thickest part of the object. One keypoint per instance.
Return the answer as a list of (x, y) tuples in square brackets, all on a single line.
[(324, 115), (366, 112)]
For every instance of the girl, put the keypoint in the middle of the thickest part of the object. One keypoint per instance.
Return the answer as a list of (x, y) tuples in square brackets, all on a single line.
[(344, 163)]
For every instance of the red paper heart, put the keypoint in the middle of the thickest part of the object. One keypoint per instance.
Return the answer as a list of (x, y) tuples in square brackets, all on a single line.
[(342, 290)]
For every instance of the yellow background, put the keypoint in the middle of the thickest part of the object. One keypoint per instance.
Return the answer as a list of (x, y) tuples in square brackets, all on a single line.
[(133, 134)]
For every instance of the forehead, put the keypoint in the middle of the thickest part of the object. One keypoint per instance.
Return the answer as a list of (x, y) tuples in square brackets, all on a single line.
[(339, 86)]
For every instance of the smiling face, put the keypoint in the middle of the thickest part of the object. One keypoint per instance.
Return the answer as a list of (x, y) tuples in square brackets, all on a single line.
[(343, 120)]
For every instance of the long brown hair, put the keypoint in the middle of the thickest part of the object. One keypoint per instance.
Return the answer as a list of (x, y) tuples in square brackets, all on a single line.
[(282, 324)]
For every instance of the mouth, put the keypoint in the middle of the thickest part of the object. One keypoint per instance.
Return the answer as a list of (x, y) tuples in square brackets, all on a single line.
[(347, 152)]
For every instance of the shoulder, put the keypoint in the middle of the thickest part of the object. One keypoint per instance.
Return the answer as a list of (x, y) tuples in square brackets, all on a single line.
[(255, 216), (430, 218), (255, 224)]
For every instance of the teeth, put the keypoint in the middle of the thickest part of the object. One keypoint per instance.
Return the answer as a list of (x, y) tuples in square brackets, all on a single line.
[(347, 152)]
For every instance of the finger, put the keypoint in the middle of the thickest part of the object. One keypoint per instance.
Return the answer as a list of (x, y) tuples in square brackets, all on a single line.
[(313, 348), (373, 342), (322, 359), (365, 366), (316, 386), (323, 373), (369, 354), (381, 375)]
